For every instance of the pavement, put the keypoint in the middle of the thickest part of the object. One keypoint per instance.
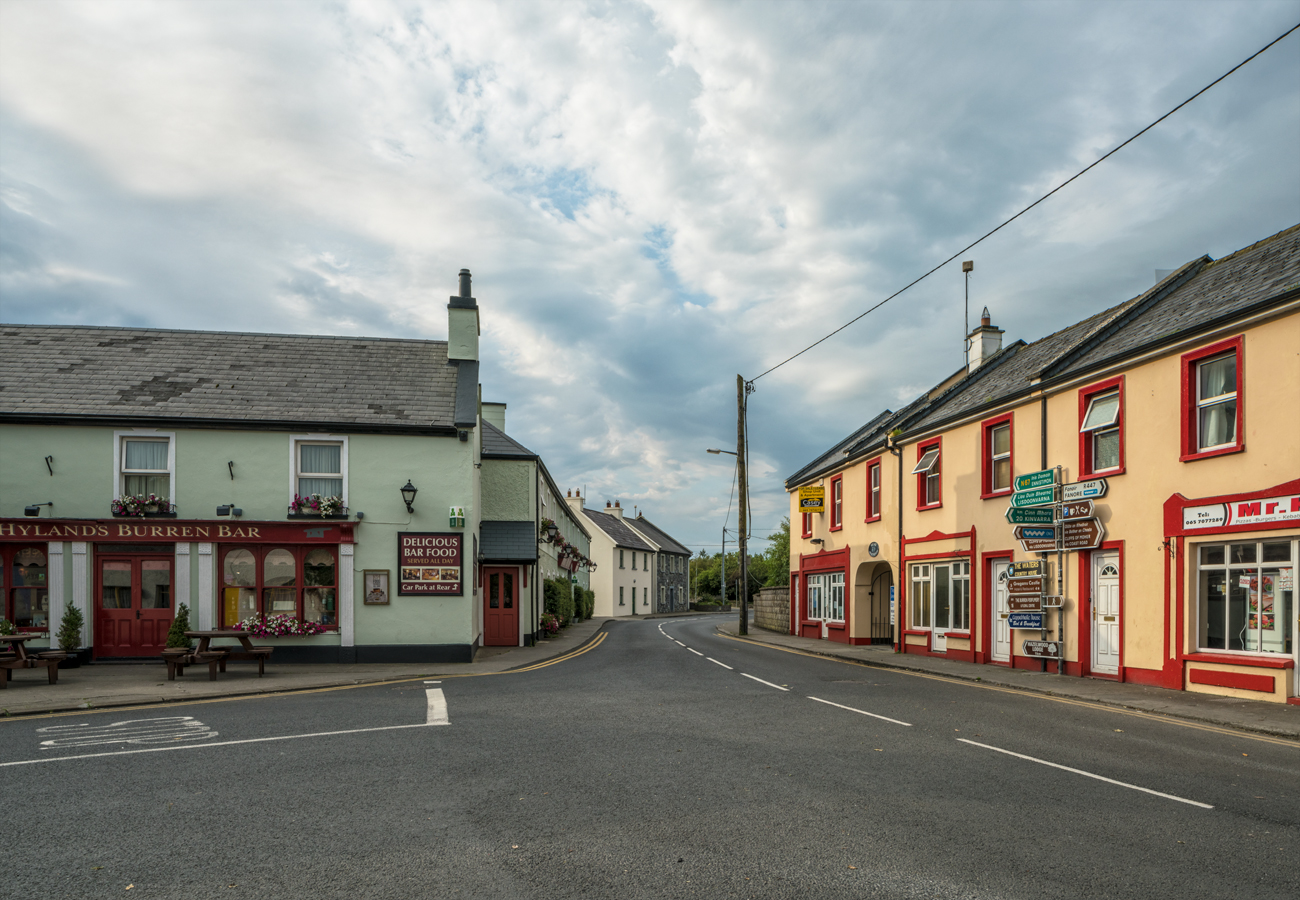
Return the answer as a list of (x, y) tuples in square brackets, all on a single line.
[(1279, 719), (103, 685)]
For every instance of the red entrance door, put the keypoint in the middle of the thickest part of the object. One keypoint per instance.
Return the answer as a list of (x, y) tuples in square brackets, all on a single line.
[(133, 605), (501, 608)]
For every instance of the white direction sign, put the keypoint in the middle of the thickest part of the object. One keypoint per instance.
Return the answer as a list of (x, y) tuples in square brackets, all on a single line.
[(1084, 490)]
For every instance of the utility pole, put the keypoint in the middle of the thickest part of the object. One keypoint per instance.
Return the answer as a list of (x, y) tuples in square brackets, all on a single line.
[(744, 505), (722, 598)]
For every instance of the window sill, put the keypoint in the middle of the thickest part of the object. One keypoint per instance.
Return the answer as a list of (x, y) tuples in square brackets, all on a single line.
[(959, 635), (1245, 659), (303, 515), (917, 631), (871, 519), (146, 515), (993, 495), (836, 528), (938, 505), (1104, 473), (1208, 454)]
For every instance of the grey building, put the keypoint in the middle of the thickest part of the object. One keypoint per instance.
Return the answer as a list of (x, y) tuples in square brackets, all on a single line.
[(672, 567)]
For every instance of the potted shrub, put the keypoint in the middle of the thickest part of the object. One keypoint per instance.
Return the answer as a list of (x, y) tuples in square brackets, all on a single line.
[(69, 637), (177, 643)]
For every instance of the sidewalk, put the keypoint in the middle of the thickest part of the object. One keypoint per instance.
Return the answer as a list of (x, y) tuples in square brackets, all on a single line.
[(100, 686), (1277, 719)]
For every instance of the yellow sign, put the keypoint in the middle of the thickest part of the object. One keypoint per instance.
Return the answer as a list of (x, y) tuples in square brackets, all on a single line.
[(812, 499)]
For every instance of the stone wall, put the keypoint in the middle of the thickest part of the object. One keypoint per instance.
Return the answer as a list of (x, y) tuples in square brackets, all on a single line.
[(772, 609)]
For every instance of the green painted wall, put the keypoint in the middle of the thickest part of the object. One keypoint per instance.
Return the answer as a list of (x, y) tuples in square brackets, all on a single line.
[(508, 490)]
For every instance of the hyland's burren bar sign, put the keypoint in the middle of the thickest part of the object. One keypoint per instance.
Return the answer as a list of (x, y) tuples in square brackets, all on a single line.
[(428, 563)]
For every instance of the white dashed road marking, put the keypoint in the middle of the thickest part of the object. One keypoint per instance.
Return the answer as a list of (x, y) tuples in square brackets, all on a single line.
[(861, 712), (768, 683), (724, 665), (696, 652), (437, 706)]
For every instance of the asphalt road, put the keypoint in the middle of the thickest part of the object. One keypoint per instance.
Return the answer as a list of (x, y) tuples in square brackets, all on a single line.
[(645, 767)]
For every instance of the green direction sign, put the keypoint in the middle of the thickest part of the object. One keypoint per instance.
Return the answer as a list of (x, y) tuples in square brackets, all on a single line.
[(1037, 497), (1033, 480), (1029, 516)]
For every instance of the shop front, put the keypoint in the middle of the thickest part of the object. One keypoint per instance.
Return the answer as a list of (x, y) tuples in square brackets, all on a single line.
[(937, 595), (821, 611), (1237, 560)]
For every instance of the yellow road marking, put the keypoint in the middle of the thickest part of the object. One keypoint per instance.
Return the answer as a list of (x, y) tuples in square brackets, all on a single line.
[(1155, 717), (163, 704)]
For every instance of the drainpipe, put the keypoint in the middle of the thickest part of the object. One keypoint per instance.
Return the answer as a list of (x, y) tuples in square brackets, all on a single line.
[(898, 584)]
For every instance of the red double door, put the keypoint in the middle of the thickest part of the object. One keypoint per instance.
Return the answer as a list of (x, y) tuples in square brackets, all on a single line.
[(500, 607), (133, 605)]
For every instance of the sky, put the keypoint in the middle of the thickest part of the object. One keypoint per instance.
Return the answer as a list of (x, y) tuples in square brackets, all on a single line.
[(653, 197)]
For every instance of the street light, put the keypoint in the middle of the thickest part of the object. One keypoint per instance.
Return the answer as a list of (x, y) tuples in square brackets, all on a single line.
[(728, 452), (740, 541)]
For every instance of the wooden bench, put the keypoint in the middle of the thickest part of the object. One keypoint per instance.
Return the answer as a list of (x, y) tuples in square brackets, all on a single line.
[(176, 662), (258, 654), (48, 660)]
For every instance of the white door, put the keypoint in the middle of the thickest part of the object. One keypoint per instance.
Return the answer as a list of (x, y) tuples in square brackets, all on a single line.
[(1001, 622), (941, 616), (1105, 613)]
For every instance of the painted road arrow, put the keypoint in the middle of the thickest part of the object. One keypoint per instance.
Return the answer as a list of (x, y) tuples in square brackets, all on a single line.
[(1082, 534), (1029, 516), (1043, 496), (1045, 478), (1080, 509), (1082, 490), (1035, 533)]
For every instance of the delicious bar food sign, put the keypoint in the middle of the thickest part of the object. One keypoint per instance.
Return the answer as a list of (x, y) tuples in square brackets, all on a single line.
[(429, 563)]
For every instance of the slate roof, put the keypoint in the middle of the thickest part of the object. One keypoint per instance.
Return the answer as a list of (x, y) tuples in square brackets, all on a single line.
[(55, 372), (499, 445), (622, 535), (1194, 298), (512, 541), (659, 536)]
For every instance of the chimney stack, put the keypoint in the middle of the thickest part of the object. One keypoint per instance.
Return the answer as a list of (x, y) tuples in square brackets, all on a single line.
[(574, 500), (616, 511), (985, 341), (462, 322)]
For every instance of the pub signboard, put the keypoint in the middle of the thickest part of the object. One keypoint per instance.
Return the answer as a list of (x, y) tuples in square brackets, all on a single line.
[(429, 563)]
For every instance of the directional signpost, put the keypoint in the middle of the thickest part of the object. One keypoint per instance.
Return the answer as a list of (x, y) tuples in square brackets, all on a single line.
[(1029, 516), (1035, 533), (1030, 586), (1037, 497), (1079, 509), (1032, 620), (1039, 546), (1084, 490), (1082, 534), (1027, 567), (1025, 604), (1045, 478), (1044, 649)]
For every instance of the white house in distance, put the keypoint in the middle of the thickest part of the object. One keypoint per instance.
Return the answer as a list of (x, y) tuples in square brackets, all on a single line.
[(624, 578)]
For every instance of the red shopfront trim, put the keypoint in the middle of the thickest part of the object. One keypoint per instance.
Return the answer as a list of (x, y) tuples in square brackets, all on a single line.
[(873, 465), (987, 490), (116, 530), (1264, 684), (985, 653), (1086, 395), (1083, 617), (921, 450), (819, 563), (904, 580), (836, 502), (805, 529), (1190, 419), (794, 603)]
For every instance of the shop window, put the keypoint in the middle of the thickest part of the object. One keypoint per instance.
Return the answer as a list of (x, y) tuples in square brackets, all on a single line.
[(873, 490), (24, 583), (929, 488), (1101, 428), (826, 597), (837, 503), (1245, 596), (941, 596), (144, 465), (995, 456), (1212, 411), (300, 582), (320, 466), (806, 527)]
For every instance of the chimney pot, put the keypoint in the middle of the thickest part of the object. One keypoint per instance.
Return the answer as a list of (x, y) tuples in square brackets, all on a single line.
[(465, 283)]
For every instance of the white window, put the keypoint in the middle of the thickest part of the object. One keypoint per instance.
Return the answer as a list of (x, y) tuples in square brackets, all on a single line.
[(941, 596), (1000, 457), (144, 464), (1245, 594), (1216, 402), (1101, 423), (928, 466), (826, 597), (319, 465), (874, 503)]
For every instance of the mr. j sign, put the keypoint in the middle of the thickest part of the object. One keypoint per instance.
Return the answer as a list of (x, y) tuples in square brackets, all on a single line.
[(429, 563)]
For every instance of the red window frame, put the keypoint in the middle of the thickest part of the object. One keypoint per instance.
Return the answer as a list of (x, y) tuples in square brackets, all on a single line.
[(837, 503), (987, 490), (1190, 419), (260, 551), (921, 449), (807, 525), (873, 466), (1086, 395), (7, 586)]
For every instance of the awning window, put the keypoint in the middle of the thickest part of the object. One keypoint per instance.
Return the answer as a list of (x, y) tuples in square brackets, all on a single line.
[(1103, 412), (927, 463)]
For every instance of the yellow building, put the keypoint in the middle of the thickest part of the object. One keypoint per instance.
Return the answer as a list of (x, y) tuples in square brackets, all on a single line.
[(1173, 422)]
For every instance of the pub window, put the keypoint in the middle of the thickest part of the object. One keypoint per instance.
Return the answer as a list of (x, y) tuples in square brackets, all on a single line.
[(320, 466), (826, 597), (1246, 596), (941, 596), (24, 582), (146, 466), (300, 582)]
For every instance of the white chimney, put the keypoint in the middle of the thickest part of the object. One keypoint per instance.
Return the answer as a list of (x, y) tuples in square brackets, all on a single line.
[(616, 511), (983, 342), (462, 322), (495, 414), (574, 500)]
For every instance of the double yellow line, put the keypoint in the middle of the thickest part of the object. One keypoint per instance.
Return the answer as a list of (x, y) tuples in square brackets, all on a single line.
[(585, 648)]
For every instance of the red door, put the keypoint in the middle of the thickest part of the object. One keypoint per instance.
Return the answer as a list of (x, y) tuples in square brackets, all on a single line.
[(501, 608), (133, 605)]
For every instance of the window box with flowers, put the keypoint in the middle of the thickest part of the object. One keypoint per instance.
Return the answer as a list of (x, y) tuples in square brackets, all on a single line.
[(278, 625), (315, 506), (142, 505)]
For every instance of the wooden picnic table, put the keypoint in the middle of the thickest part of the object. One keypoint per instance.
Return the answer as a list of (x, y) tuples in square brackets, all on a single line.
[(21, 659), (216, 657)]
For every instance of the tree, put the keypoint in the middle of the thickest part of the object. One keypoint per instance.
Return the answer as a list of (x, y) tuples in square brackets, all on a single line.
[(777, 556)]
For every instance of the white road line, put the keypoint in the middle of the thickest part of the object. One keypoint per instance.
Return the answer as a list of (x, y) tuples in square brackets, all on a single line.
[(696, 652), (862, 712), (678, 643), (724, 665), (1132, 787), (437, 714), (433, 682), (768, 683)]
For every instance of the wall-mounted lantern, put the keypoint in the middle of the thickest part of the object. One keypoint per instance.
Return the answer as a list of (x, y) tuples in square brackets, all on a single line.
[(35, 509), (408, 495)]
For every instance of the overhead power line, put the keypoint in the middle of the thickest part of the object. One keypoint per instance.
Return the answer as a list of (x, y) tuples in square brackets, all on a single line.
[(1004, 224)]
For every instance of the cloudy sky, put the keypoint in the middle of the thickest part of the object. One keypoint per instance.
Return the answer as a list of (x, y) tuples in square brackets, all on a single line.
[(652, 196)]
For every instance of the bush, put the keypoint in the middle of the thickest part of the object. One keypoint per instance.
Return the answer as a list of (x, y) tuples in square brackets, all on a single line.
[(181, 624), (558, 594), (550, 623), (70, 628), (587, 599)]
